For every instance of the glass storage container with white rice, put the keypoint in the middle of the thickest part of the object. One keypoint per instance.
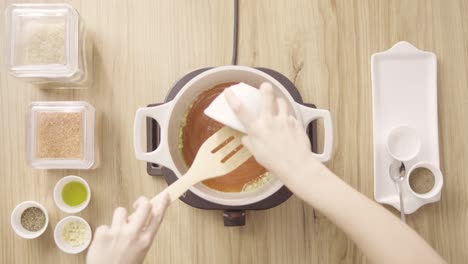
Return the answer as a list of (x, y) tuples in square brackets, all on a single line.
[(47, 45)]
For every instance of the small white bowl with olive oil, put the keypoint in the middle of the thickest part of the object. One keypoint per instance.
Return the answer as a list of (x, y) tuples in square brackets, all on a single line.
[(72, 194)]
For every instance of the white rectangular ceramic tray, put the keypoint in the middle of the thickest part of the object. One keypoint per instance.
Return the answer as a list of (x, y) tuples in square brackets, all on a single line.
[(404, 90)]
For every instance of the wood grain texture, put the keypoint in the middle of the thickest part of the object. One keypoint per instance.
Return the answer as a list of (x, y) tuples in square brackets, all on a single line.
[(324, 46)]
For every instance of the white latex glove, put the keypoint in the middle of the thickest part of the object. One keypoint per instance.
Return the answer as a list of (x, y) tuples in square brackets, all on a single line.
[(128, 240), (276, 139)]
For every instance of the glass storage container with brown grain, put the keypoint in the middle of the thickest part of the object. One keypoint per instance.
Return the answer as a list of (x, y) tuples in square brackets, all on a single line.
[(61, 135)]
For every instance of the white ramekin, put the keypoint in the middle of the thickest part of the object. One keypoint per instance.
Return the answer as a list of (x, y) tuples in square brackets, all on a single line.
[(58, 195), (64, 245), (16, 220)]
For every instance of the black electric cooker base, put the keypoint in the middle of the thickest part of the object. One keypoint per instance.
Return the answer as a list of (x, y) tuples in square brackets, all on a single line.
[(233, 215)]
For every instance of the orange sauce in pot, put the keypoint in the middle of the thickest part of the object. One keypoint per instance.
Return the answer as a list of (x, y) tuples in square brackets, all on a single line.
[(198, 128)]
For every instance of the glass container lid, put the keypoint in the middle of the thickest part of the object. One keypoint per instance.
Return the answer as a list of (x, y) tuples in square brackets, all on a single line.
[(42, 40)]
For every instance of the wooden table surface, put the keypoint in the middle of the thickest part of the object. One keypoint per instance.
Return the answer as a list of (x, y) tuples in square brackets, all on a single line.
[(324, 47)]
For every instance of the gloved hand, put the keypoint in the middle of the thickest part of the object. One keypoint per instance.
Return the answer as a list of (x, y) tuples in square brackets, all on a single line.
[(279, 142), (128, 240), (276, 139)]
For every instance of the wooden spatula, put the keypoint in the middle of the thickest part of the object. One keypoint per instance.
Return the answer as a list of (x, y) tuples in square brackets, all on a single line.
[(220, 154)]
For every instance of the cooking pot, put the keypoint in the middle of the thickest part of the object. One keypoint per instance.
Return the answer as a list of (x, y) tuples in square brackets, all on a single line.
[(170, 115)]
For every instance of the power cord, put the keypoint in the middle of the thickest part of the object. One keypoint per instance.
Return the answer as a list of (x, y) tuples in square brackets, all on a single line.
[(235, 37)]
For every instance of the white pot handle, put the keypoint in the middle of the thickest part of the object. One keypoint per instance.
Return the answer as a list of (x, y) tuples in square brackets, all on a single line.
[(161, 154), (310, 114)]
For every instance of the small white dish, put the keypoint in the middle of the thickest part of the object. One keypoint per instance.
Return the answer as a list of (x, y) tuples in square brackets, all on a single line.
[(16, 220), (66, 246), (220, 111), (434, 193), (403, 143), (59, 199)]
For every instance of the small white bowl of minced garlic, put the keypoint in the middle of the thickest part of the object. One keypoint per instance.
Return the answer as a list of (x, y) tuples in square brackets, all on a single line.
[(29, 219), (72, 234)]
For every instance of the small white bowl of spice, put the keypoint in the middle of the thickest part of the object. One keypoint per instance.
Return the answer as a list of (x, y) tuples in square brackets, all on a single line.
[(72, 234), (29, 219)]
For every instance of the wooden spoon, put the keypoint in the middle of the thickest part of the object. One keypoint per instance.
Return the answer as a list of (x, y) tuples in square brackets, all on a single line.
[(219, 155)]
